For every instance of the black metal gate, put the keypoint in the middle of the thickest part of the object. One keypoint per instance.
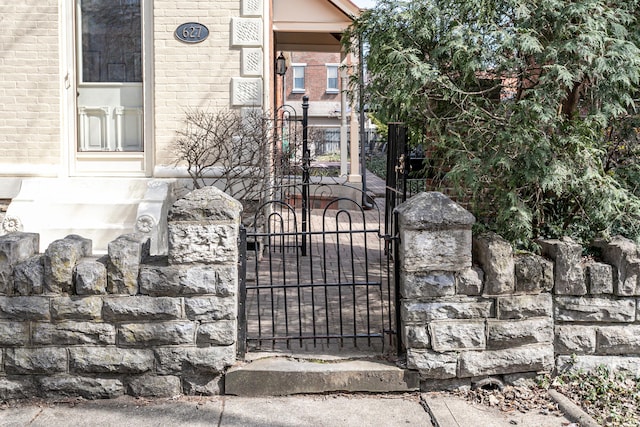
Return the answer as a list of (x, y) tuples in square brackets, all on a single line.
[(314, 271)]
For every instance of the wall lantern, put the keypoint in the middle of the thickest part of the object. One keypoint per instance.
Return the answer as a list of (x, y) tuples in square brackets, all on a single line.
[(281, 65)]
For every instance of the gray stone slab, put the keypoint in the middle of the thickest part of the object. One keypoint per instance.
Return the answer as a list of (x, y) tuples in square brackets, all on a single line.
[(284, 376)]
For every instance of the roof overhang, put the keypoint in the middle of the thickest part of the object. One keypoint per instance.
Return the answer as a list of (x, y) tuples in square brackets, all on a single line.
[(316, 26)]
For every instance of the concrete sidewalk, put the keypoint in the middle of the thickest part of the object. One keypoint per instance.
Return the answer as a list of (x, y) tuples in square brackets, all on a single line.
[(333, 410)]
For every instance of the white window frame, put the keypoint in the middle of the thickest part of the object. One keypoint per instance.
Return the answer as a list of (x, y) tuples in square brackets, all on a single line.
[(294, 67), (335, 89)]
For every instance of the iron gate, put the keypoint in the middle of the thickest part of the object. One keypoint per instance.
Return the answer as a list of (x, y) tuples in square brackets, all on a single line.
[(314, 272)]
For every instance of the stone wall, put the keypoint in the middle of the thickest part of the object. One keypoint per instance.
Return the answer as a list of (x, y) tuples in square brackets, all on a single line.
[(126, 323), (472, 309)]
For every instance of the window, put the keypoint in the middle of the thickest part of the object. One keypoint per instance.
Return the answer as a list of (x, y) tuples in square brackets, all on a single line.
[(298, 77), (332, 78)]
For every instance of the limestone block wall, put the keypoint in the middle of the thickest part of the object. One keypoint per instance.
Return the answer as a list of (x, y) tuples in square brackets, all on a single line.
[(125, 323), (471, 308)]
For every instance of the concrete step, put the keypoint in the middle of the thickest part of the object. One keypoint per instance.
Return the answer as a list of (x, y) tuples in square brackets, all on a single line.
[(280, 376)]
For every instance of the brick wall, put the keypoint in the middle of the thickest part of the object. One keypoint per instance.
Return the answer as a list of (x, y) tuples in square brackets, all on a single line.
[(315, 76), (30, 83), (190, 75)]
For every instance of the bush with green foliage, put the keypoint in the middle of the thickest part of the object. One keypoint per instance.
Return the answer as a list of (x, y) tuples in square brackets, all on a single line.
[(527, 106)]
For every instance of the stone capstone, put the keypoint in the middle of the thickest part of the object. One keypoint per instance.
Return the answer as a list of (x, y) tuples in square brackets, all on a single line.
[(469, 281), (568, 272), (205, 205), (60, 259), (14, 249), (599, 278), (28, 276), (534, 274), (623, 254), (91, 277), (495, 257), (433, 211), (126, 253)]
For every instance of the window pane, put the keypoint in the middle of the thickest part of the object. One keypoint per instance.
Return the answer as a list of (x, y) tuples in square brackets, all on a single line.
[(332, 77), (111, 41), (298, 78)]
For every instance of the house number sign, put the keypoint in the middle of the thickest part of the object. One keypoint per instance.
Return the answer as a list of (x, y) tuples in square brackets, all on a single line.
[(192, 32)]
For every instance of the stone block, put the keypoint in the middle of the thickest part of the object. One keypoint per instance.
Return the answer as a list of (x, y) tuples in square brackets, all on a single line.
[(126, 253), (174, 360), (60, 259), (432, 365), (73, 333), (203, 384), (495, 257), (14, 249), (44, 360), (450, 384), (76, 308), (499, 362), (90, 277), (451, 308), (524, 306), (618, 340), (435, 250), (17, 387), (137, 308), (222, 332), (416, 336), (575, 339), (433, 211), (458, 335), (623, 254), (28, 276), (210, 308), (515, 333), (469, 281), (534, 274), (13, 334), (568, 272), (427, 284), (110, 360), (156, 334), (164, 280), (599, 278), (87, 387), (630, 364), (191, 243), (25, 308), (594, 309), (154, 386), (208, 205)]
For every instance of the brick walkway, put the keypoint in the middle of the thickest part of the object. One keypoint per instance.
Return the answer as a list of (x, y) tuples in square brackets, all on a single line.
[(344, 291)]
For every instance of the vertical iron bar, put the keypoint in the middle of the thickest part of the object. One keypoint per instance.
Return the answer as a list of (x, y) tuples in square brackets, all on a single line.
[(396, 277), (305, 170), (242, 297)]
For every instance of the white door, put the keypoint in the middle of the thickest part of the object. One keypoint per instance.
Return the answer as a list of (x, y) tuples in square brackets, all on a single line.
[(110, 117)]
